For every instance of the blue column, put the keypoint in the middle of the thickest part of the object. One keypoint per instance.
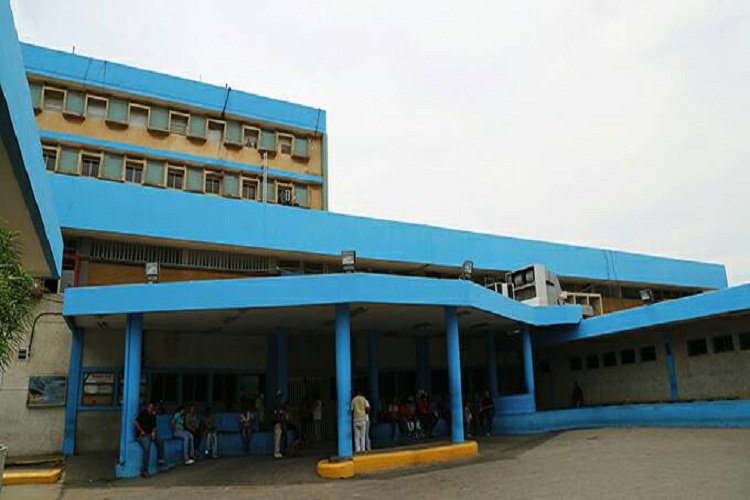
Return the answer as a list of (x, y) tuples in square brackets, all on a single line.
[(528, 365), (277, 367), (492, 365), (344, 380), (454, 374), (671, 371), (424, 377), (130, 452), (374, 372), (73, 389)]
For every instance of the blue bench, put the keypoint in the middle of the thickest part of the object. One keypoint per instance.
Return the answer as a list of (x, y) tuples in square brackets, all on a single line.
[(229, 441)]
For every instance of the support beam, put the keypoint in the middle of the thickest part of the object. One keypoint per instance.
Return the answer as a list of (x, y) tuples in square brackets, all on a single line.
[(424, 377), (671, 371), (277, 367), (129, 463), (454, 374), (344, 380), (73, 390), (528, 364), (373, 373), (492, 385)]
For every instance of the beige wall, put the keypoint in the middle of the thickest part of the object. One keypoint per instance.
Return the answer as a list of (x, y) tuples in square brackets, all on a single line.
[(24, 430)]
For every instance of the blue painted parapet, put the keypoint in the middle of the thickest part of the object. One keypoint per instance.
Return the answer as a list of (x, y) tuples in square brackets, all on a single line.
[(698, 414), (515, 404)]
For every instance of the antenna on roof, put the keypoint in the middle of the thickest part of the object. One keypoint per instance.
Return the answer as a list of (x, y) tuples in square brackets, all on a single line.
[(74, 49), (226, 99)]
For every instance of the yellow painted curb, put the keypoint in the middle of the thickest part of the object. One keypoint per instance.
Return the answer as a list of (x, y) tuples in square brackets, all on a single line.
[(391, 460), (32, 476)]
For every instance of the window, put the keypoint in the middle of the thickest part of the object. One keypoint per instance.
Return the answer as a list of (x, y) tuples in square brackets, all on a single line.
[(745, 341), (609, 359), (648, 353), (250, 189), (250, 137), (175, 178), (285, 144), (224, 391), (98, 389), (141, 394), (134, 171), (138, 116), (627, 356), (53, 99), (178, 123), (164, 387), (213, 183), (723, 343), (90, 165), (284, 194), (576, 363), (50, 158), (697, 347), (592, 362), (194, 388), (215, 131), (96, 107)]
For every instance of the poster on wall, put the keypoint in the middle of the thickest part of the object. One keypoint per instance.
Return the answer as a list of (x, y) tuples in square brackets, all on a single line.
[(46, 391)]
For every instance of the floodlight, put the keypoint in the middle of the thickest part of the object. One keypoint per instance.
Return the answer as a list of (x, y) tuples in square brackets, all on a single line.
[(349, 261), (466, 269), (152, 272), (647, 295)]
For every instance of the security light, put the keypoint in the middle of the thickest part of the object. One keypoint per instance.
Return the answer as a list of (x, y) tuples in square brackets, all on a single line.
[(466, 269), (152, 272), (647, 295), (349, 261)]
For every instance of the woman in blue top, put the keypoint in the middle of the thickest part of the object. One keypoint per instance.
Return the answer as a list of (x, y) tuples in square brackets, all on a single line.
[(178, 425)]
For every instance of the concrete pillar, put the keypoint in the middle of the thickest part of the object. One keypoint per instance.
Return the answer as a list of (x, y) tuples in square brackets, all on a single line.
[(373, 374), (671, 371), (73, 396), (344, 380), (129, 464), (277, 368), (528, 364), (424, 376), (454, 374), (492, 385)]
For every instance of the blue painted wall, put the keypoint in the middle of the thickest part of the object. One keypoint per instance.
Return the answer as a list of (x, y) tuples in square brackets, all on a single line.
[(719, 302), (304, 290), (699, 414), (21, 140), (151, 85), (122, 208)]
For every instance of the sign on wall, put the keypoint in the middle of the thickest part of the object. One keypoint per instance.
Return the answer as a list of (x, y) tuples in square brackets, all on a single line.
[(46, 390)]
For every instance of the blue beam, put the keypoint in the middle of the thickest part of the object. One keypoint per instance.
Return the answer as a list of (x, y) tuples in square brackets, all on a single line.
[(344, 380), (73, 389), (130, 452), (424, 377), (671, 371), (492, 365), (307, 290), (454, 374), (282, 362), (374, 372), (528, 362)]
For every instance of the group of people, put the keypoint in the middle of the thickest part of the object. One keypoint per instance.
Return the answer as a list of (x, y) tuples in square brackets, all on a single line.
[(479, 411), (191, 427), (414, 416)]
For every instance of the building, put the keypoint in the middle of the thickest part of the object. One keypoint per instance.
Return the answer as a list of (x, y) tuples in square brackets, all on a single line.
[(227, 192)]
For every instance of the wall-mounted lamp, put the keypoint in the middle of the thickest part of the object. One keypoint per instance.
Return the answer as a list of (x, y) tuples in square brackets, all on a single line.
[(152, 272), (466, 269), (349, 261)]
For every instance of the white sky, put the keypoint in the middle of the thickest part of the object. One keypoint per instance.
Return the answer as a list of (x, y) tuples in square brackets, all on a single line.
[(616, 124)]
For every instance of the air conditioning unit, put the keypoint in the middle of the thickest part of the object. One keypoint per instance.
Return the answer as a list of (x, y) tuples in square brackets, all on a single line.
[(535, 285), (501, 288)]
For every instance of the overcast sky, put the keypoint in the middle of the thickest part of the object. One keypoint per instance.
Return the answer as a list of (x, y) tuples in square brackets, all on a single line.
[(621, 124)]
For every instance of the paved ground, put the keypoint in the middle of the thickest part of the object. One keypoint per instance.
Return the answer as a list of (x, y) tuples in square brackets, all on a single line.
[(587, 464)]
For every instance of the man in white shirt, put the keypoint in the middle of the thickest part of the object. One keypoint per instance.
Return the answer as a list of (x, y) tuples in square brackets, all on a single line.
[(360, 410)]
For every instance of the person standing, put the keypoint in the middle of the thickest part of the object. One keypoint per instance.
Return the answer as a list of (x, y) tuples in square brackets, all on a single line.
[(246, 429), (192, 424), (486, 413), (360, 409), (212, 441), (145, 426), (577, 398), (178, 424), (317, 415), (279, 423)]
